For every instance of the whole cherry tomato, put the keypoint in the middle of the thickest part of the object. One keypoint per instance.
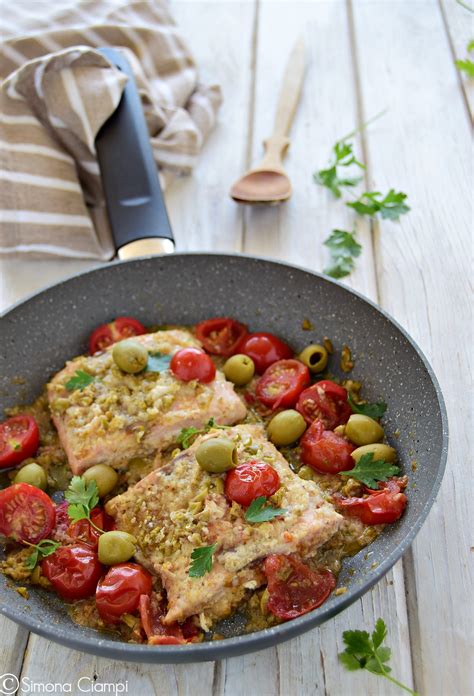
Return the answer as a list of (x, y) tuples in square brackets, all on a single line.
[(26, 513), (326, 451), (325, 401), (120, 590), (379, 507), (107, 334), (19, 439), (282, 383), (293, 588), (251, 480), (192, 363), (73, 571), (264, 349), (220, 336)]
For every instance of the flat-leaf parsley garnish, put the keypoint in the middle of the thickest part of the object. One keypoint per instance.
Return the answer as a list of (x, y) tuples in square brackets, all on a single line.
[(372, 203), (201, 561), (158, 362), (82, 497), (370, 472), (187, 435), (257, 511), (367, 652), (372, 410), (43, 548), (80, 381), (344, 248)]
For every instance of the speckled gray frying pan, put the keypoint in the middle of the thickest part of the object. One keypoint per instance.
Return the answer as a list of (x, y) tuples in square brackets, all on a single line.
[(39, 334)]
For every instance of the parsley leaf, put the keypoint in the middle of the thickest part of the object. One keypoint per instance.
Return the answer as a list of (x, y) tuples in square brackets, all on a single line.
[(80, 380), (367, 652), (369, 472), (343, 248), (40, 550), (158, 362), (343, 156), (82, 498), (390, 207), (466, 65), (187, 435), (372, 410), (257, 511), (201, 561)]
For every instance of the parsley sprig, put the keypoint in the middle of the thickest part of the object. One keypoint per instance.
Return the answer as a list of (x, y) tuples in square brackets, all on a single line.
[(80, 381), (187, 435), (258, 511), (373, 203), (364, 651), (201, 561), (370, 472), (343, 156), (343, 248), (43, 548), (372, 410), (466, 65), (82, 497)]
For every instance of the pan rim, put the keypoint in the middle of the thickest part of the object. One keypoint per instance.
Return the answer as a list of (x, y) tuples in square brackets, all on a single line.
[(258, 640)]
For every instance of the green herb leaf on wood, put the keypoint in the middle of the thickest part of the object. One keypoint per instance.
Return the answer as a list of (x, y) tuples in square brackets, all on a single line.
[(344, 248), (373, 203)]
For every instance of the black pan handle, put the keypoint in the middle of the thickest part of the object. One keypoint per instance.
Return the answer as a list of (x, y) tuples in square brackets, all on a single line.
[(129, 174)]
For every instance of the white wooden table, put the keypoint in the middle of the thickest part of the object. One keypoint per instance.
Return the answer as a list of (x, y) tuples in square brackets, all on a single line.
[(364, 56)]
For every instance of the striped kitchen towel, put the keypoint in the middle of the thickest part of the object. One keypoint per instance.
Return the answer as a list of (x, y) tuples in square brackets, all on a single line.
[(56, 93)]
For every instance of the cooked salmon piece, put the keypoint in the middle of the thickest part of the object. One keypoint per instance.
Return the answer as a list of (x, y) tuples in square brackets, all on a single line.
[(180, 507), (119, 416)]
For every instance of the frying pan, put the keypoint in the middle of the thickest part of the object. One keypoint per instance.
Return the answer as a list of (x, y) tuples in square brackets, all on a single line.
[(39, 334)]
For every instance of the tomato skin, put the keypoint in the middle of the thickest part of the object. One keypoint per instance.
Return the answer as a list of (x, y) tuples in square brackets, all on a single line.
[(325, 401), (120, 590), (282, 383), (19, 439), (82, 531), (294, 589), (264, 349), (73, 571), (221, 335), (326, 451), (106, 334), (379, 507), (152, 611), (192, 363), (249, 481), (27, 514)]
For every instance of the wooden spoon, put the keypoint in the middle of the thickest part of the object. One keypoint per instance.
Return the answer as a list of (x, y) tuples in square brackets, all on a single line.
[(268, 182)]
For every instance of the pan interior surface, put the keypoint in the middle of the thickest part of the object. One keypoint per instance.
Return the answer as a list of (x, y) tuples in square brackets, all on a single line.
[(38, 335)]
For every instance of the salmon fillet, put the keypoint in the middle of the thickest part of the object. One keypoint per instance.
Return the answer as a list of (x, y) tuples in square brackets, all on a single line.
[(119, 416), (180, 507)]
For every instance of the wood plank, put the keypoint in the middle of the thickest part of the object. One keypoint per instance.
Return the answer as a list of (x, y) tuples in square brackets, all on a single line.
[(423, 148), (460, 26), (295, 232), (12, 650)]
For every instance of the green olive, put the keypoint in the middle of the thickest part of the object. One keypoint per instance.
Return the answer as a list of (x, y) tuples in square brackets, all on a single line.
[(130, 355), (286, 427), (239, 369), (116, 547), (379, 450), (315, 357), (217, 455), (362, 430), (34, 474), (340, 430), (105, 477)]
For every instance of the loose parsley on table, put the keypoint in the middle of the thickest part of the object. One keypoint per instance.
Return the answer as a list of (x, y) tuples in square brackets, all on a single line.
[(390, 206), (158, 362), (43, 548), (201, 561), (372, 410), (370, 472), (82, 497), (344, 248), (466, 65), (80, 381), (257, 511), (364, 651), (343, 156)]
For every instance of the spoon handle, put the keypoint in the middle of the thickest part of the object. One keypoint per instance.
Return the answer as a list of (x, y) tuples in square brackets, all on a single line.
[(290, 91)]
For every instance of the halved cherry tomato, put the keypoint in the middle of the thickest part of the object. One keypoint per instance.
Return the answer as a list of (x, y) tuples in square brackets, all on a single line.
[(282, 383), (152, 611), (220, 336), (293, 588), (84, 532), (62, 523), (251, 480), (73, 571), (326, 451), (120, 590), (264, 349), (379, 507), (107, 334), (26, 513), (325, 401), (19, 439), (192, 363)]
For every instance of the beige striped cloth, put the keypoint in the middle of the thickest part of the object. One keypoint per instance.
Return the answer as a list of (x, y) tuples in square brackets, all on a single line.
[(56, 93)]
